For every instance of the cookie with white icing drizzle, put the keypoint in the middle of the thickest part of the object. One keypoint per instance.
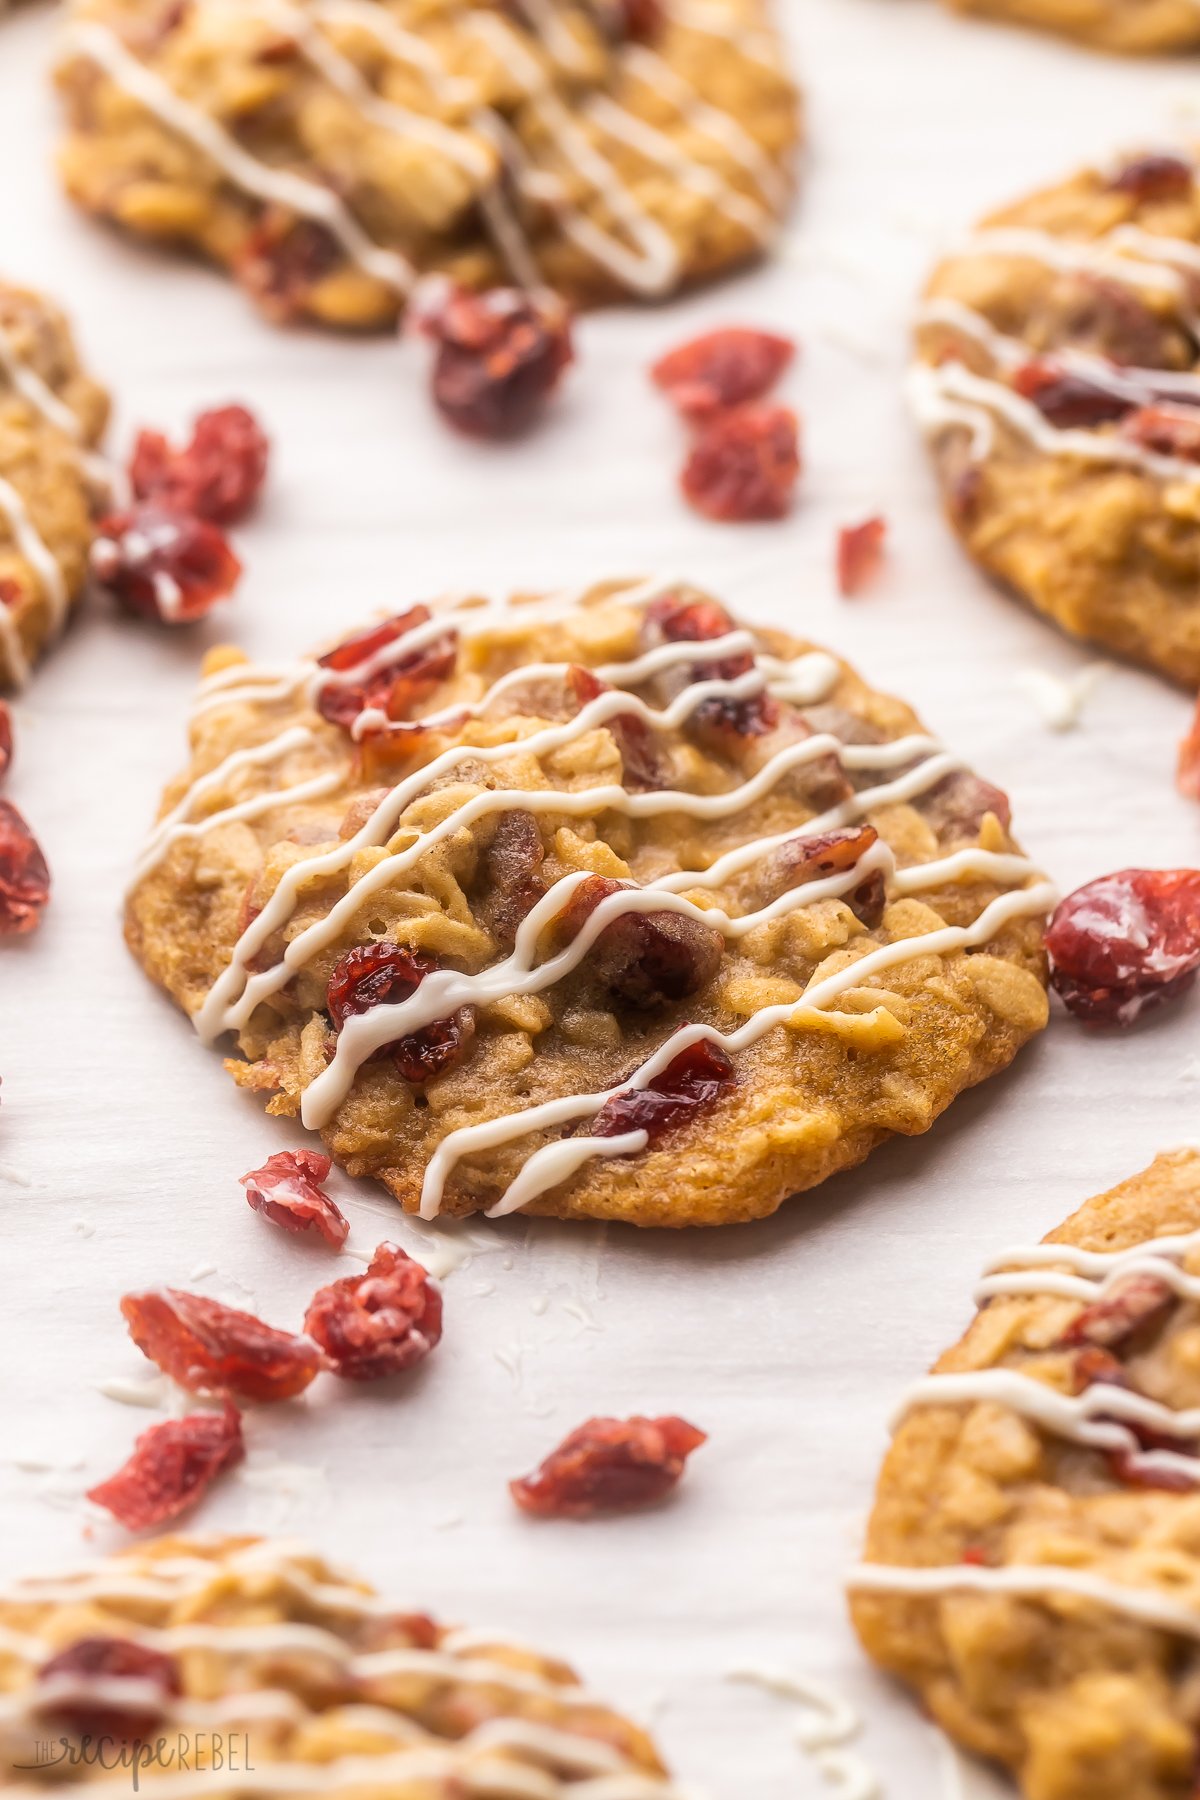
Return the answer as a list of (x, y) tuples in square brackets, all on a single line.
[(52, 417), (329, 152), (1031, 1563), (1058, 383), (309, 1680), (1132, 27), (624, 912)]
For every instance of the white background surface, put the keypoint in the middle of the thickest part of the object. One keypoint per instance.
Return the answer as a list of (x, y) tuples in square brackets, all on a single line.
[(121, 1140)]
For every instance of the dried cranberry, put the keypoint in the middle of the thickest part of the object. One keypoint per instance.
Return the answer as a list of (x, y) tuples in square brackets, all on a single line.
[(394, 689), (802, 859), (684, 619), (111, 1660), (644, 957), (609, 1465), (213, 1349), (511, 874), (1065, 399), (744, 464), (1125, 943), (859, 554), (691, 1082), (645, 764), (283, 259), (1134, 1307), (6, 739), (1153, 177), (383, 972), (500, 356), (1166, 430), (218, 477), (287, 1191), (172, 1466), (1126, 1467), (958, 804), (380, 1323), (722, 369), (24, 876), (638, 21), (164, 565), (1188, 772)]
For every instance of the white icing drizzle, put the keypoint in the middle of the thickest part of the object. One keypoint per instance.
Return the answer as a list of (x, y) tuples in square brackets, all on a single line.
[(832, 1724), (1146, 266), (1032, 1270), (37, 393), (649, 67), (37, 553), (1031, 1581)]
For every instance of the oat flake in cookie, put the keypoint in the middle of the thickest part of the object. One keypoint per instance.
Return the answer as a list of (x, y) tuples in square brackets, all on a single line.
[(595, 905), (52, 417), (1057, 383), (308, 1681), (1031, 1565), (328, 152)]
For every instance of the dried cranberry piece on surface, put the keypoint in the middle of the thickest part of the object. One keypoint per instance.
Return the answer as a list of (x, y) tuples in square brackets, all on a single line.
[(1125, 943), (722, 369), (645, 957), (500, 355), (110, 1660), (609, 1465), (1188, 771), (744, 465), (171, 1468), (164, 565), (378, 1324), (860, 554), (24, 875), (218, 476), (6, 739), (382, 973), (1154, 177), (287, 1190), (1133, 1307), (394, 688), (1066, 399), (1166, 430), (691, 1081), (213, 1349)]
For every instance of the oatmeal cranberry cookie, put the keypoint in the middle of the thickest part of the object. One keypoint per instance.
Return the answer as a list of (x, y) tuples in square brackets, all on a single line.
[(52, 416), (1136, 27), (1057, 382), (596, 906), (1032, 1567), (304, 1673), (329, 151)]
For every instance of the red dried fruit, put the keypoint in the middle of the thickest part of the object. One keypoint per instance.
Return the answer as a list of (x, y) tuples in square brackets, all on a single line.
[(691, 1082), (1131, 1308), (1125, 1467), (722, 369), (957, 805), (396, 687), (645, 764), (976, 1557), (1166, 430), (6, 738), (24, 876), (217, 477), (1125, 943), (678, 619), (171, 1468), (380, 1323), (744, 464), (1154, 177), (112, 1661), (382, 972), (500, 356), (1109, 319), (802, 859), (609, 1465), (510, 871), (164, 565), (682, 620), (283, 259), (1068, 400), (859, 554), (1188, 771), (213, 1349), (287, 1191), (644, 957)]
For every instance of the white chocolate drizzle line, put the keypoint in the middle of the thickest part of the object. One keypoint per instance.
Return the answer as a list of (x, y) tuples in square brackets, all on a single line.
[(233, 996), (949, 394), (1149, 263), (1031, 1581), (1033, 1270), (556, 1162), (309, 199), (41, 559), (832, 1724)]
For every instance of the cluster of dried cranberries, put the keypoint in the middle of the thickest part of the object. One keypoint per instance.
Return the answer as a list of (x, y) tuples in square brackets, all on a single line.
[(745, 457), (166, 556)]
